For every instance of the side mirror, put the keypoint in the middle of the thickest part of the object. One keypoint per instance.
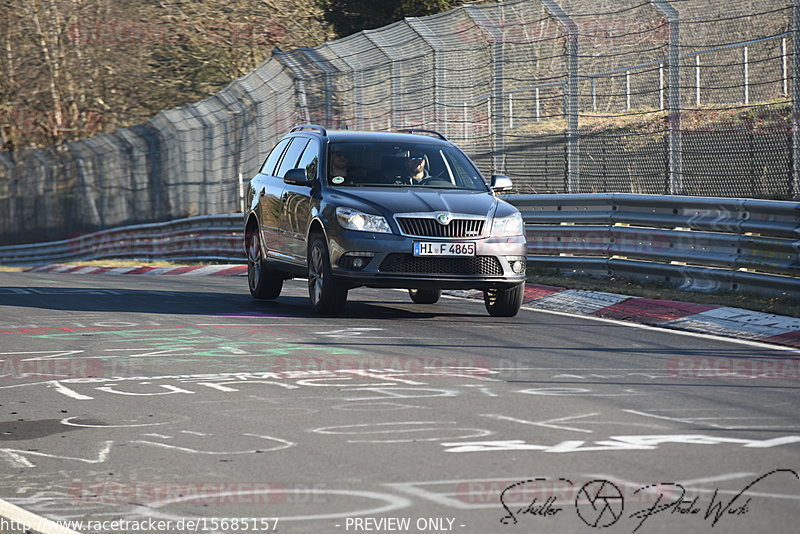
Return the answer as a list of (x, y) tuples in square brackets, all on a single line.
[(501, 182), (297, 177)]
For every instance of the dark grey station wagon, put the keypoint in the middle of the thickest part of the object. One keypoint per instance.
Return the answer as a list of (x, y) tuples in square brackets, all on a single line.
[(400, 210)]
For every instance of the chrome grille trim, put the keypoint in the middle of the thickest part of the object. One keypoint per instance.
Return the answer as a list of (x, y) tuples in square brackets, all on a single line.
[(430, 227)]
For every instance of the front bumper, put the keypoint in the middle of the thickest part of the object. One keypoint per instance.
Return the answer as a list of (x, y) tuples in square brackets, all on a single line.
[(388, 261)]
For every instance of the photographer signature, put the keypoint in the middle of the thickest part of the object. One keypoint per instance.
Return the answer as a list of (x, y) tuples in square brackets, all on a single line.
[(600, 503), (716, 509)]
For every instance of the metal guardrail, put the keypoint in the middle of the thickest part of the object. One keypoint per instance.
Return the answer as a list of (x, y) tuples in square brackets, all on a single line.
[(212, 237), (708, 244)]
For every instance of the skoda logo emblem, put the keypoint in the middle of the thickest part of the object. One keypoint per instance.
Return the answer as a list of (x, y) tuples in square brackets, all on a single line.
[(444, 218)]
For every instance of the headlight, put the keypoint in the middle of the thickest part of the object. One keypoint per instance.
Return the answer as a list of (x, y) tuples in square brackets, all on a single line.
[(364, 222), (508, 226)]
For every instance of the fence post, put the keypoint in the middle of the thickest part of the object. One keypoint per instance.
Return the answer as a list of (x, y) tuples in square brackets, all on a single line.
[(746, 75), (795, 189), (510, 111), (697, 79), (674, 99), (241, 193), (494, 35), (299, 76), (538, 110), (464, 120), (784, 67), (327, 80), (572, 95), (627, 90), (437, 46)]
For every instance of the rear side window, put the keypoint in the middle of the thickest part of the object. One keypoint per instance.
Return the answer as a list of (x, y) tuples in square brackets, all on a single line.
[(272, 159), (310, 159), (291, 156)]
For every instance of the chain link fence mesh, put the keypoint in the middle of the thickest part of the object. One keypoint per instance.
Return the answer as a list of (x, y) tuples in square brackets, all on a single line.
[(691, 97)]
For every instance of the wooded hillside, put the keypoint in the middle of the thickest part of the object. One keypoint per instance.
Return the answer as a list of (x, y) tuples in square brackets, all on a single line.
[(75, 68)]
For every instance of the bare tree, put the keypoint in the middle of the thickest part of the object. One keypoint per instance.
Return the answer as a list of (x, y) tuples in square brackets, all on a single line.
[(75, 68)]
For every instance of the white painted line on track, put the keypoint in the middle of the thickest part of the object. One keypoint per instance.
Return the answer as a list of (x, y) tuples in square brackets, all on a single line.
[(85, 270), (159, 270), (37, 523), (205, 271), (688, 333), (546, 424), (121, 270), (747, 342)]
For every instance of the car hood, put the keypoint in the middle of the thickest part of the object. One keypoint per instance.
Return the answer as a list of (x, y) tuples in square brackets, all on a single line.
[(391, 201)]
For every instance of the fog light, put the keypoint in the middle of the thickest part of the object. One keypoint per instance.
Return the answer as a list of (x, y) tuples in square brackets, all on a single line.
[(517, 264), (355, 260)]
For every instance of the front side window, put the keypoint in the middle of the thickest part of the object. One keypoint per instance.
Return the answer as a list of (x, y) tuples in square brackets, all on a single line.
[(384, 164)]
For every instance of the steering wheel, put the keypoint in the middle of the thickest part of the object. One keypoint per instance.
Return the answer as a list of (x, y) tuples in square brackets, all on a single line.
[(434, 179)]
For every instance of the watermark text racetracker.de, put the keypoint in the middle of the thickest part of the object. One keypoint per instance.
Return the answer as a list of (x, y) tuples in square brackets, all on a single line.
[(440, 366), (208, 493), (26, 367), (700, 367), (150, 525)]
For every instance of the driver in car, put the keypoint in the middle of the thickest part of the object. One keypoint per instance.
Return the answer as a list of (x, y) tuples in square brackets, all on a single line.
[(415, 169)]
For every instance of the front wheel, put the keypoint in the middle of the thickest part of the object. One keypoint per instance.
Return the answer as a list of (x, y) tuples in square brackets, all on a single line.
[(504, 302), (425, 296), (327, 295), (264, 283)]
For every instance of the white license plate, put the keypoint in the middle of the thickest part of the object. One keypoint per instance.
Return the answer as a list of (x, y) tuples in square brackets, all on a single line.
[(423, 248)]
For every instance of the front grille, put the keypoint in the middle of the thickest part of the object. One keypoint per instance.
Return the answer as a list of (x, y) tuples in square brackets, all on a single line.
[(429, 227), (472, 266)]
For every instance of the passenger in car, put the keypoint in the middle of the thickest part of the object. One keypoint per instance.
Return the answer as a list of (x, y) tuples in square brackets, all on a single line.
[(343, 171), (340, 162)]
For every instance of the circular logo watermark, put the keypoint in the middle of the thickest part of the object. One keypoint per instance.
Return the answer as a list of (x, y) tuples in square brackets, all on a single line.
[(599, 503)]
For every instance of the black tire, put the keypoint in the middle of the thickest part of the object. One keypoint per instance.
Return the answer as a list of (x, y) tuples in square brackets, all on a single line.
[(504, 302), (328, 296), (264, 283), (425, 296)]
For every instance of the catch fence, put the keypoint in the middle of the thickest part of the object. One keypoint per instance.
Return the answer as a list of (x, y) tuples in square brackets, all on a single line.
[(690, 97)]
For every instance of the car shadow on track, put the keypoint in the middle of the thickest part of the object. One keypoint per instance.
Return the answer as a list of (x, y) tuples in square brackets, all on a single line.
[(204, 303)]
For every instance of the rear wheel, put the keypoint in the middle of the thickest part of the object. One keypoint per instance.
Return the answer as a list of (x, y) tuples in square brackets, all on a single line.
[(327, 295), (504, 302), (264, 283), (425, 296)]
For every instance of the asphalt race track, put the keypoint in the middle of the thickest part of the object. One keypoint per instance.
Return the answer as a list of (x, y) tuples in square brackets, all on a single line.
[(182, 399)]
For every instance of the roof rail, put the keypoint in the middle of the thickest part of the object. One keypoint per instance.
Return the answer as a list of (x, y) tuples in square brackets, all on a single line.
[(301, 127), (418, 130)]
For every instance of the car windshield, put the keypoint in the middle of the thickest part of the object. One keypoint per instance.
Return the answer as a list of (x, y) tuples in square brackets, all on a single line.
[(384, 164)]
